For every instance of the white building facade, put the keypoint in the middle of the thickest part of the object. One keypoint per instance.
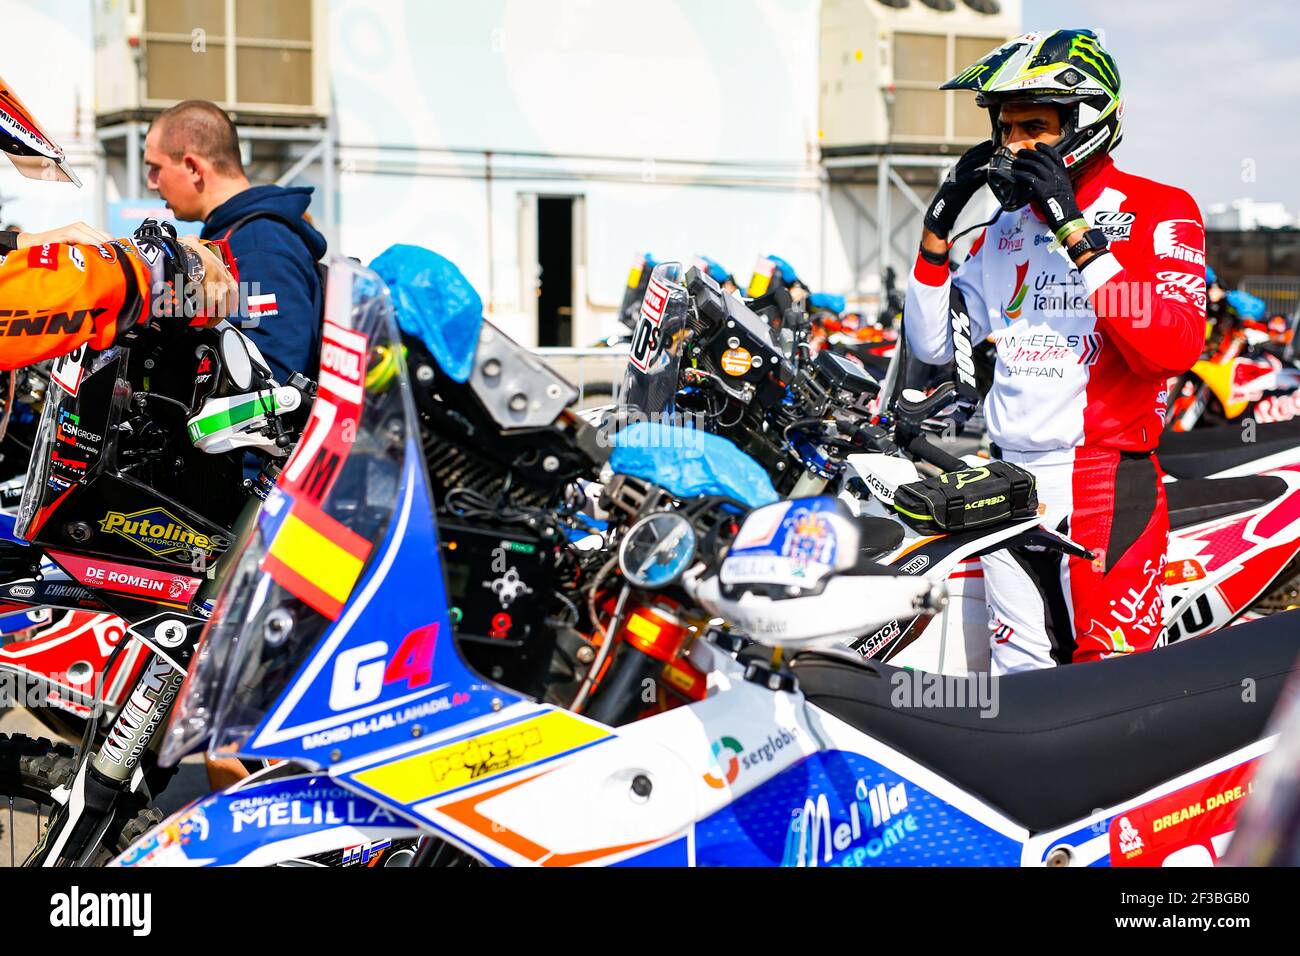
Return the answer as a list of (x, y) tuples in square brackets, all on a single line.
[(1248, 214), (539, 144)]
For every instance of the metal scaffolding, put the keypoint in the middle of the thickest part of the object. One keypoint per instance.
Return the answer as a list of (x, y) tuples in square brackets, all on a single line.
[(851, 184)]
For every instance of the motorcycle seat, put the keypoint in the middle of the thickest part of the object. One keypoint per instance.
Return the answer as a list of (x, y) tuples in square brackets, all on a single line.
[(878, 536), (1196, 500), (1204, 451), (1067, 741)]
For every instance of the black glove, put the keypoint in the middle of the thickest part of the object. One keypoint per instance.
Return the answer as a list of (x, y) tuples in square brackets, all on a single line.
[(176, 273), (1043, 174), (962, 182)]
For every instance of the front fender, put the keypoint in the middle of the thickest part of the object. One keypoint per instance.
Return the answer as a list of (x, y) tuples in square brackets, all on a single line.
[(1218, 376), (265, 822)]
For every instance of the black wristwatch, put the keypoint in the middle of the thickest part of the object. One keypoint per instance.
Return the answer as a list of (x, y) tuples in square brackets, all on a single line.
[(1094, 240), (8, 241)]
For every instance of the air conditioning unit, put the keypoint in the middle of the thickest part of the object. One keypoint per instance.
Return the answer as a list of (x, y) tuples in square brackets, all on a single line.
[(254, 58), (882, 62)]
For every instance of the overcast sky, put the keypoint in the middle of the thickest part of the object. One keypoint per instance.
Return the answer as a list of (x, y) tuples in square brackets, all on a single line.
[(1211, 89)]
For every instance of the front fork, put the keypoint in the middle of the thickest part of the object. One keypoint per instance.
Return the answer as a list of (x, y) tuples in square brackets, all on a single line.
[(1186, 412), (118, 768)]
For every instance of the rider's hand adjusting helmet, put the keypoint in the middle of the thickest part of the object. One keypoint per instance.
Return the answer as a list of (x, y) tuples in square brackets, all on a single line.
[(1067, 68)]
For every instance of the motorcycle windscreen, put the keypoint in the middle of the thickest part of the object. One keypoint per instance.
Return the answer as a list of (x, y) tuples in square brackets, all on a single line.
[(8, 381), (77, 435), (1268, 830), (637, 280), (325, 640), (658, 343), (1292, 330), (27, 145)]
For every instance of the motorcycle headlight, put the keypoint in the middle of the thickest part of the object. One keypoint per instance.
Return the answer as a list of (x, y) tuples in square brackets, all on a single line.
[(657, 550)]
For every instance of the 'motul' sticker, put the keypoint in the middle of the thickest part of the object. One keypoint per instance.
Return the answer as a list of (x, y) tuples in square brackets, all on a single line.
[(646, 340)]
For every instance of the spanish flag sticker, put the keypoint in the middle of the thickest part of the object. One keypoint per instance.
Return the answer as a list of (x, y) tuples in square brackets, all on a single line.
[(316, 559)]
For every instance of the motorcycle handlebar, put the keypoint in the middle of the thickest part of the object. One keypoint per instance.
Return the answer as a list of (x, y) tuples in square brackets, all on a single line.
[(922, 448), (914, 413), (862, 434)]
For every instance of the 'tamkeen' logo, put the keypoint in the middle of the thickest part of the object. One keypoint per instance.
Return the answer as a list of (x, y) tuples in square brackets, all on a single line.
[(158, 532)]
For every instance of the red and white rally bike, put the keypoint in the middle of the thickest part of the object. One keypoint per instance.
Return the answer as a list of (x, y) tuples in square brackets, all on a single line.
[(57, 640), (1234, 544), (1234, 503), (171, 454)]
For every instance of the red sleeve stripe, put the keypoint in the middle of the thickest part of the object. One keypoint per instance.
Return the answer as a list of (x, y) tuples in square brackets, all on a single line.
[(927, 273)]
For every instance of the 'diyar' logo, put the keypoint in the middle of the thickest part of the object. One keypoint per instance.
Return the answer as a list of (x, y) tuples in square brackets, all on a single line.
[(160, 533)]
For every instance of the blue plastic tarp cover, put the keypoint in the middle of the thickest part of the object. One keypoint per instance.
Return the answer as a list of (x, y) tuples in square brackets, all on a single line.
[(690, 463), (716, 270), (1246, 305), (824, 300), (788, 275), (434, 302)]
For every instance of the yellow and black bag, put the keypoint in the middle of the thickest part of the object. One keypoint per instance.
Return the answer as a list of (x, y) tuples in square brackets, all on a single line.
[(968, 499)]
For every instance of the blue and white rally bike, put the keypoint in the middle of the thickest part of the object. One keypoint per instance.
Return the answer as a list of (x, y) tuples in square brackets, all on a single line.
[(333, 650)]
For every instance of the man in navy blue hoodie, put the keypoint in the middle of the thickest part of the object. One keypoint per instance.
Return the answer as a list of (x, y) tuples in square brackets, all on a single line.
[(192, 156)]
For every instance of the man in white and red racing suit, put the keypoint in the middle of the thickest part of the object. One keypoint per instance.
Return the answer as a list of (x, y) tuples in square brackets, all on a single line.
[(1079, 391)]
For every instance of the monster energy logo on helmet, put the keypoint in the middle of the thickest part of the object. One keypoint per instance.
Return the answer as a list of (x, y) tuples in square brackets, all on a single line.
[(1084, 46), (1068, 68)]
